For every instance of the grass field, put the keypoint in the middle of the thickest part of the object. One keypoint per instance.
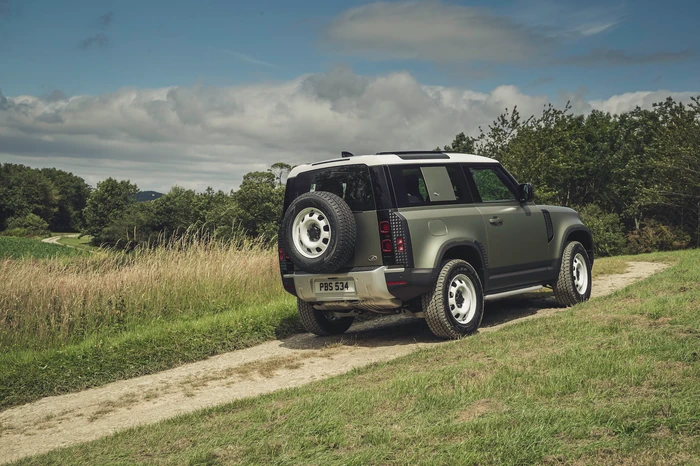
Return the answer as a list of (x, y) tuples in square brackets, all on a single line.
[(93, 318), (82, 242), (22, 248), (612, 381)]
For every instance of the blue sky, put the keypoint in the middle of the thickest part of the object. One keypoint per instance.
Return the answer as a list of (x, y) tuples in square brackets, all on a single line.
[(159, 43), (106, 82)]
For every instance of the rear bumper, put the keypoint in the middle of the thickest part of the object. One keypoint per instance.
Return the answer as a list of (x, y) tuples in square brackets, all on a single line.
[(380, 288)]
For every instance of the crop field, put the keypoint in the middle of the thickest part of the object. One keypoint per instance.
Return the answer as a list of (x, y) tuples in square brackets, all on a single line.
[(19, 248)]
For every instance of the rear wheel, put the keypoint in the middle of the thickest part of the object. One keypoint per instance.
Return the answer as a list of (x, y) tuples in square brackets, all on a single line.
[(319, 322), (573, 285), (455, 305)]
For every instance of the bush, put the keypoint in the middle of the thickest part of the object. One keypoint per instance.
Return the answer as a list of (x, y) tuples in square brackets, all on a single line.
[(29, 225), (606, 228), (655, 236)]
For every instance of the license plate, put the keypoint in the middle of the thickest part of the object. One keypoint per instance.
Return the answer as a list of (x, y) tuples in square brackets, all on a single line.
[(335, 286)]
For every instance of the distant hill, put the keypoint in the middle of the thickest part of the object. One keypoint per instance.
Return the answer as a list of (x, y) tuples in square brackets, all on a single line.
[(144, 196)]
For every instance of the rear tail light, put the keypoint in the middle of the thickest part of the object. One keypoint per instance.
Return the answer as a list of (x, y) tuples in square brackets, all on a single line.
[(394, 239), (282, 254), (384, 227)]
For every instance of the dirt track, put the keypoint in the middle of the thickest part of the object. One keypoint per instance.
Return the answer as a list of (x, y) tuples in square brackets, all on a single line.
[(56, 239), (69, 419)]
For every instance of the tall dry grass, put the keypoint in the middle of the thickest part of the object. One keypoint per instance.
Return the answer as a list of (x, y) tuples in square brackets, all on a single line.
[(44, 303)]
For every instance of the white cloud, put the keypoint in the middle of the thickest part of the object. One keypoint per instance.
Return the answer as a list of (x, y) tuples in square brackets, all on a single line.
[(199, 136), (624, 102), (432, 31)]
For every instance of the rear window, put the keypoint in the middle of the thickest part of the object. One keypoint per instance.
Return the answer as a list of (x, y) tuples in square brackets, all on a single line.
[(351, 183)]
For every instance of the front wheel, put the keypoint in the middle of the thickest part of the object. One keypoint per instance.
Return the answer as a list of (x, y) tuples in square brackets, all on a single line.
[(574, 283), (320, 323), (455, 305)]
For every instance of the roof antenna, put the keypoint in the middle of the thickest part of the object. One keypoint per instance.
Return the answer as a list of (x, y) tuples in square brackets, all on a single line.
[(347, 154)]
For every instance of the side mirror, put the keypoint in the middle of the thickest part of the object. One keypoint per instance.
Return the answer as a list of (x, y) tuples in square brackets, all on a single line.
[(527, 192)]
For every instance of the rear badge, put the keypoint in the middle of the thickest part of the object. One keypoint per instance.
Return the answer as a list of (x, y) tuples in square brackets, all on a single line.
[(372, 258)]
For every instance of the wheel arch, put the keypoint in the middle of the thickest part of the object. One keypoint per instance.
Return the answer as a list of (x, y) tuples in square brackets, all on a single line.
[(470, 251), (581, 234)]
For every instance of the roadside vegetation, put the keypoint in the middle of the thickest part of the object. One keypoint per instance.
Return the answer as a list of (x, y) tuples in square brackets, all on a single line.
[(87, 319), (610, 381)]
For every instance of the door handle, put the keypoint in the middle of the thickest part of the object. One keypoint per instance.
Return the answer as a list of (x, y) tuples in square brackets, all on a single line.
[(496, 221)]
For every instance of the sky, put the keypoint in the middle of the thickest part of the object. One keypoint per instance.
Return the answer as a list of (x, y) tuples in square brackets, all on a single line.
[(198, 93)]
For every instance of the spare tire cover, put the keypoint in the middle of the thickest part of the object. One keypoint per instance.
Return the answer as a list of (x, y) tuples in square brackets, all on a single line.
[(319, 232)]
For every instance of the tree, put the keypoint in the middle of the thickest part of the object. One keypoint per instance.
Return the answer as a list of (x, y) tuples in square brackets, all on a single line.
[(29, 225), (24, 191), (462, 144), (280, 169), (259, 204), (73, 192), (106, 204)]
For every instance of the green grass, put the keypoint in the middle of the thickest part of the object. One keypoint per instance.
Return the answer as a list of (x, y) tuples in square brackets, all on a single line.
[(612, 381), (82, 242), (22, 248), (27, 375)]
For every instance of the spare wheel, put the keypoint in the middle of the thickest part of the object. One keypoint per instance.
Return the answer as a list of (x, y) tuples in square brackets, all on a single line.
[(319, 232)]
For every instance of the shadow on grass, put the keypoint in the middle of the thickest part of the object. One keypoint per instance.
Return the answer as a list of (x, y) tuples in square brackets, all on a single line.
[(504, 310)]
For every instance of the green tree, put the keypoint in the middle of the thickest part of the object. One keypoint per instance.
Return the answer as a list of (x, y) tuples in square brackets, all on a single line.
[(462, 144), (106, 204), (28, 225), (24, 191), (73, 193), (259, 204)]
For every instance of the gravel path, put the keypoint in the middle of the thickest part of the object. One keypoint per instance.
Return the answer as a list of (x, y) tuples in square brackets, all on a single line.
[(55, 239), (79, 417)]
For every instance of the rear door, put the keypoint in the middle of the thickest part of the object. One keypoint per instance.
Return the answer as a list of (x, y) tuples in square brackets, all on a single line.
[(355, 184), (516, 232)]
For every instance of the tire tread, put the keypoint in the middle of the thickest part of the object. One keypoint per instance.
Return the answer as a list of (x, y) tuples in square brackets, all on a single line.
[(434, 306), (564, 289)]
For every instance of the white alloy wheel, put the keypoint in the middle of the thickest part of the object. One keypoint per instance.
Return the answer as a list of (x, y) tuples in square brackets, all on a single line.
[(580, 273), (462, 299), (311, 232)]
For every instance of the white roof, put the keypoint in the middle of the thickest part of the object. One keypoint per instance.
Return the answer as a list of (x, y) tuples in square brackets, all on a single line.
[(392, 159)]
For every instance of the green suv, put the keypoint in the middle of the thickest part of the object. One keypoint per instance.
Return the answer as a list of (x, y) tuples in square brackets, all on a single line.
[(432, 234)]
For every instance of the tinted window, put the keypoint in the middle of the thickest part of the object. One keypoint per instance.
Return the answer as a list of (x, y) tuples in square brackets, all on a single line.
[(412, 189), (490, 186), (353, 184)]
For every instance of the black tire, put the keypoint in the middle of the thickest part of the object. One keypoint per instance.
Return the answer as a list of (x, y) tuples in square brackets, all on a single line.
[(565, 289), (340, 247), (319, 323), (436, 305)]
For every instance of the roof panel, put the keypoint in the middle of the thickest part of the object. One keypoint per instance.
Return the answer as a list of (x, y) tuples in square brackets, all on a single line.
[(392, 159)]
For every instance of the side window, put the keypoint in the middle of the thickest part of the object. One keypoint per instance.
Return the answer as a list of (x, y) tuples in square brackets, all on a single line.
[(414, 183), (490, 186), (439, 184), (417, 185)]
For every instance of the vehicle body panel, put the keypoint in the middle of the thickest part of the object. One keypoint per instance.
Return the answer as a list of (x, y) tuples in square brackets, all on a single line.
[(520, 249)]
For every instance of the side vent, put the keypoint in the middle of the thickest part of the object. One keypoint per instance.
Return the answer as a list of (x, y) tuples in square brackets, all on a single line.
[(548, 222)]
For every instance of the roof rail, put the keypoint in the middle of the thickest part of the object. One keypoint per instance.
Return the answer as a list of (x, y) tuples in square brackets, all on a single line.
[(411, 152)]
